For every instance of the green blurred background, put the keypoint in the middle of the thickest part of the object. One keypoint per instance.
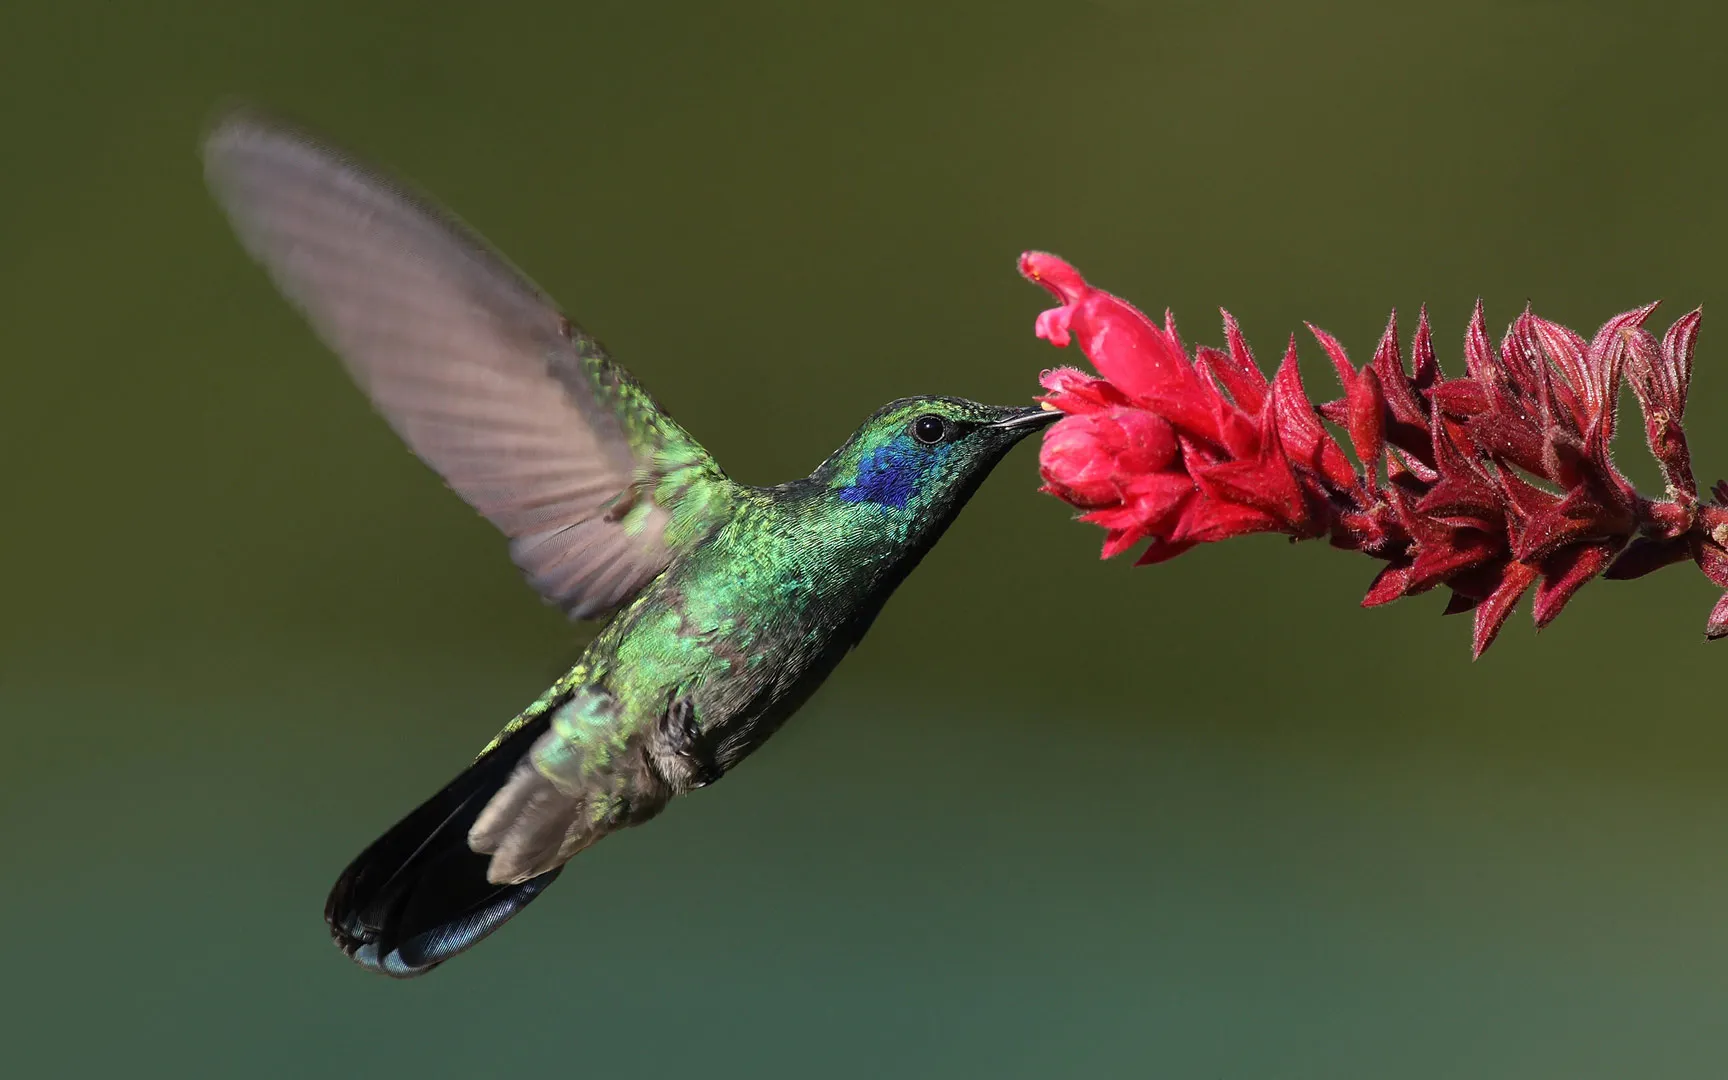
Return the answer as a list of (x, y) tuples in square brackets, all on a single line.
[(1208, 819)]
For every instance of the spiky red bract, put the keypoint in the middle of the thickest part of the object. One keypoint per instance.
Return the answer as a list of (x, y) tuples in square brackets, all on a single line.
[(1490, 483)]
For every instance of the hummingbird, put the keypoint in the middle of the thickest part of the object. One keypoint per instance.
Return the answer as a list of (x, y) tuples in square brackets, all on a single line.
[(727, 604)]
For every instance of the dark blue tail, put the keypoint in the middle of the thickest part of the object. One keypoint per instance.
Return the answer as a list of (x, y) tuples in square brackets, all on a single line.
[(419, 895)]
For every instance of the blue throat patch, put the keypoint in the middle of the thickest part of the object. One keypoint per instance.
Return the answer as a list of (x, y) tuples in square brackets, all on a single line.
[(889, 475)]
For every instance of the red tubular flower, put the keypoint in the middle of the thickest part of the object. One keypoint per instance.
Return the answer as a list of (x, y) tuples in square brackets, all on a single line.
[(1490, 484)]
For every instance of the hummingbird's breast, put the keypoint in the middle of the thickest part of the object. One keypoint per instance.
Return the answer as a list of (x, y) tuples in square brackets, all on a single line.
[(748, 626)]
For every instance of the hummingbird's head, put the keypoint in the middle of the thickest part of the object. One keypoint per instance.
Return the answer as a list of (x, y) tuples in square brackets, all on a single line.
[(913, 465)]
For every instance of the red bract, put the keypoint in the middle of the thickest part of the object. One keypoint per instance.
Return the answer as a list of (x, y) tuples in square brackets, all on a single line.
[(1491, 484)]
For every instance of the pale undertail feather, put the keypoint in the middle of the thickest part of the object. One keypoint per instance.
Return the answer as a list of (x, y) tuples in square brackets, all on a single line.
[(577, 782), (530, 827), (520, 413)]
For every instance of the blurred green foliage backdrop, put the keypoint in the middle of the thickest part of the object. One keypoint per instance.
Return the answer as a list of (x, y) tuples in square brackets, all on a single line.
[(1055, 816)]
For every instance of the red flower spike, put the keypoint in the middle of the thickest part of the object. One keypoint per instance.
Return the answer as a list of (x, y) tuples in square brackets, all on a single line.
[(1242, 358), (1563, 573), (1205, 521), (1265, 484), (1462, 485), (1162, 551), (1364, 406), (1478, 353), (1171, 335), (1116, 541), (1449, 553), (1306, 440), (1510, 438), (1407, 424), (1245, 385), (1717, 625), (1491, 614), (1676, 370), (1238, 435), (1607, 358), (1575, 518), (1367, 420), (1426, 370), (1462, 398), (1565, 350), (1661, 376), (1391, 583), (1521, 359), (1176, 452), (1335, 352)]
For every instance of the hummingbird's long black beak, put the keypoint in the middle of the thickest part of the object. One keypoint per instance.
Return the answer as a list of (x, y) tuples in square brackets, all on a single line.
[(1028, 420)]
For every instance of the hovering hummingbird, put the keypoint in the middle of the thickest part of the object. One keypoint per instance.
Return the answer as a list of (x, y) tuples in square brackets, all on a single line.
[(729, 604)]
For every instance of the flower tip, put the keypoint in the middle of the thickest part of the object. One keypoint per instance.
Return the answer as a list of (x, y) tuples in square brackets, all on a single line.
[(1064, 283), (1054, 273)]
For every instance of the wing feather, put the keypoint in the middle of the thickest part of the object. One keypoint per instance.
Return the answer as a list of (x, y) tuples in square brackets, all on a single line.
[(523, 415)]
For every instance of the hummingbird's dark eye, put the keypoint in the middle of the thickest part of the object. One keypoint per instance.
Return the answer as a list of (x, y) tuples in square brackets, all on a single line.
[(929, 429)]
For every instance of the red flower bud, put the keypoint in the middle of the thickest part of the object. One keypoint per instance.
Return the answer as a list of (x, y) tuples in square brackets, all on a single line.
[(1088, 459)]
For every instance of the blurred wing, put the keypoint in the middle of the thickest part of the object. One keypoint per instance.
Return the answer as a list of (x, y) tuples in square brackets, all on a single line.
[(521, 413)]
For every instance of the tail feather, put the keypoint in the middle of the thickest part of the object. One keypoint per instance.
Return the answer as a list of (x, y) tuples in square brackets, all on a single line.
[(530, 826), (419, 894)]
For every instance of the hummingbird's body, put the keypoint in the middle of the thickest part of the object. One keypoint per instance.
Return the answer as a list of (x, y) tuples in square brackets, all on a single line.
[(731, 603)]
